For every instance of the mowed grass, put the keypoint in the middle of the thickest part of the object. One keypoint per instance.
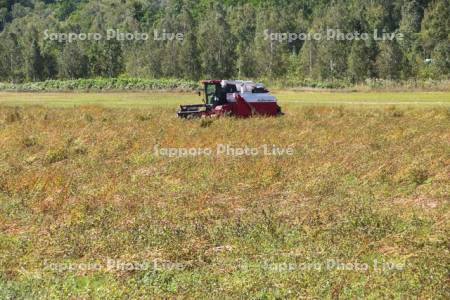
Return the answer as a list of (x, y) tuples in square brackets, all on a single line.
[(366, 185), (168, 99)]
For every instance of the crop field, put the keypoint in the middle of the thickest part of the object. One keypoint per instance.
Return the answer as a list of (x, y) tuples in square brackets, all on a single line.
[(168, 99), (110, 196)]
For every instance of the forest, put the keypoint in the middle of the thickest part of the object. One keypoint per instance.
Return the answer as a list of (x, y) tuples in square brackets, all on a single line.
[(231, 39)]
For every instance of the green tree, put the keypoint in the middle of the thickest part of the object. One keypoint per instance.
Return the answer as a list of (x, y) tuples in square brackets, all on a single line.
[(171, 47), (412, 14), (243, 26), (73, 63), (389, 60), (435, 25), (270, 48), (3, 63), (216, 44), (189, 52), (308, 58), (411, 17), (34, 61), (332, 51), (435, 37), (441, 59), (359, 61)]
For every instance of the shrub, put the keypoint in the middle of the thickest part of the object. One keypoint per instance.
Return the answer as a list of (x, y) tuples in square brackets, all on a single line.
[(56, 155), (418, 175), (101, 84)]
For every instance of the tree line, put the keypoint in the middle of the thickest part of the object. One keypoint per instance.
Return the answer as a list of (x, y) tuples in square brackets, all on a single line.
[(225, 40)]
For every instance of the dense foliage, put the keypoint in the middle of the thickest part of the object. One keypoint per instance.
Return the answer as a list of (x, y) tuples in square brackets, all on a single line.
[(103, 84), (224, 40)]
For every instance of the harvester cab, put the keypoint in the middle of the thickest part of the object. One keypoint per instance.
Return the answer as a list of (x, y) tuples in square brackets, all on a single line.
[(232, 97)]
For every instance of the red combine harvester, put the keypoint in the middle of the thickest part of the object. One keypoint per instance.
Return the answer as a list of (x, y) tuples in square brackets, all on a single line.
[(232, 97)]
